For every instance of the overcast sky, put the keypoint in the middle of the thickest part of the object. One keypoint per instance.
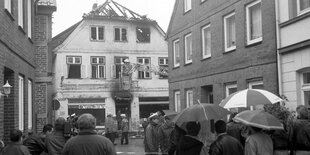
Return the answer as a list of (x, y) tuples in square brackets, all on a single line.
[(70, 12)]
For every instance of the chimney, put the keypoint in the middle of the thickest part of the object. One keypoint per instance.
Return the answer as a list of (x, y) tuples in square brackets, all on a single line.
[(95, 5)]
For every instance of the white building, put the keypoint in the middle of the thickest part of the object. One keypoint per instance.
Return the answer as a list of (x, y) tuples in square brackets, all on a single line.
[(294, 51), (87, 65)]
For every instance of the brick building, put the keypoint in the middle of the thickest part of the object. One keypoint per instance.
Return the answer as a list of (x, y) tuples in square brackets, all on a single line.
[(88, 61), (294, 51), (17, 64), (219, 47)]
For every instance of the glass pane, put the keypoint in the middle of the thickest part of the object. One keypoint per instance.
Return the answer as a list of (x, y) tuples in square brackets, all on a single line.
[(124, 35), (77, 60), (94, 71), (101, 71), (140, 60), (101, 60), (177, 52), (307, 98), (189, 47), (306, 78), (259, 86), (94, 60), (117, 34), (230, 28), (207, 41), (255, 21), (304, 4), (146, 61), (93, 33), (161, 61), (232, 90), (70, 60), (74, 71), (101, 33)]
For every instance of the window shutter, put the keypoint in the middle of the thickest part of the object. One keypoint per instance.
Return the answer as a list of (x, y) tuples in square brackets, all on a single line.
[(113, 71)]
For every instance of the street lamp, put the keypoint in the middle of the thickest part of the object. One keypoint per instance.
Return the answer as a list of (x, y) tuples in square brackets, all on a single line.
[(6, 89)]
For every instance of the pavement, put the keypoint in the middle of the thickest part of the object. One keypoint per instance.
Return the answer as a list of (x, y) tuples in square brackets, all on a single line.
[(135, 146)]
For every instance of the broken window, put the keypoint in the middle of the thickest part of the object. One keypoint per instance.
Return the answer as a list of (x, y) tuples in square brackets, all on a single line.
[(97, 67), (118, 61), (144, 72), (143, 35), (120, 34), (74, 67), (97, 33), (163, 68)]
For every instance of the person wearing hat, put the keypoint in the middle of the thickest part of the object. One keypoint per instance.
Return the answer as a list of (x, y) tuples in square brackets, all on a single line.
[(124, 129), (151, 136)]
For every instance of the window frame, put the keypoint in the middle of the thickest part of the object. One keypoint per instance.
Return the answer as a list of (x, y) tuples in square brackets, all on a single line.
[(29, 18), (116, 64), (229, 86), (188, 61), (8, 5), (30, 103), (165, 64), (175, 63), (97, 33), (98, 66), (248, 29), (305, 87), (300, 12), (255, 83), (189, 99), (74, 63), (177, 101), (149, 37), (20, 8), (21, 95), (187, 5), (206, 54), (226, 34), (120, 33), (144, 72)]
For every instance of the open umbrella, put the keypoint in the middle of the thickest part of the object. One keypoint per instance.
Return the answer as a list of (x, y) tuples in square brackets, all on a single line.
[(200, 112), (259, 118), (249, 97)]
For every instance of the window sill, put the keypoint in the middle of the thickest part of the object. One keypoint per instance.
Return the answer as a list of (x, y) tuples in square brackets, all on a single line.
[(230, 49), (254, 43), (201, 2), (9, 14), (21, 29), (30, 40), (206, 58), (116, 41), (176, 67), (96, 40), (142, 42), (188, 63), (145, 79), (186, 12)]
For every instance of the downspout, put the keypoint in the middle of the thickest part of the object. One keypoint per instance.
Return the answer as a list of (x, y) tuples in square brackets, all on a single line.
[(278, 39)]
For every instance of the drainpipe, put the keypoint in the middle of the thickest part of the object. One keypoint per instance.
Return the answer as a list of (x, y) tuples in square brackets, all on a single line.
[(278, 39)]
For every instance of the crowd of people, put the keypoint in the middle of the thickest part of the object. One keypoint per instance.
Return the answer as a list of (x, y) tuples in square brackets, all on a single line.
[(232, 138), (162, 136)]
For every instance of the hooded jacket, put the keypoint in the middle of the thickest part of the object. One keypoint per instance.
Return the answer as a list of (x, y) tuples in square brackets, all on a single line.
[(164, 133), (189, 145)]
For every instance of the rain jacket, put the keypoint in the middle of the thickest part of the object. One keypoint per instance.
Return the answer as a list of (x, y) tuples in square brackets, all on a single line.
[(226, 145), (151, 138), (299, 135), (55, 142), (189, 145), (258, 144), (87, 142), (109, 125), (124, 125), (15, 148), (164, 133), (35, 144)]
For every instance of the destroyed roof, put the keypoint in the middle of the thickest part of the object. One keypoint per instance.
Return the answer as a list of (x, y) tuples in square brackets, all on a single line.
[(46, 2), (112, 9)]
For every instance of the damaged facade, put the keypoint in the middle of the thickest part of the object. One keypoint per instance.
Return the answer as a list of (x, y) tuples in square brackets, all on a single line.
[(88, 61)]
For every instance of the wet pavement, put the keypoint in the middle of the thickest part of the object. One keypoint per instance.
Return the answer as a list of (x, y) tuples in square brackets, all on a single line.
[(135, 147)]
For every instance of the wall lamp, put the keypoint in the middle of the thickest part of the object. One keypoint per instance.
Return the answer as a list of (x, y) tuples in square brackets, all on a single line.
[(6, 89)]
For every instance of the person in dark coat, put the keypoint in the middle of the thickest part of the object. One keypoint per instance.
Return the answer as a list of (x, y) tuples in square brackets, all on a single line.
[(225, 144), (176, 134), (88, 142), (164, 133), (55, 141), (124, 129), (234, 129), (190, 143), (299, 132), (36, 142), (151, 136), (15, 147)]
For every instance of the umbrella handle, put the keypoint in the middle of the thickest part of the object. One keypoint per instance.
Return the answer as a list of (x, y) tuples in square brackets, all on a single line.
[(204, 110)]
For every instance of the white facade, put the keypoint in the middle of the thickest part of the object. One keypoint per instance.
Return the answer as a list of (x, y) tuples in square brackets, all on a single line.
[(97, 93), (294, 51)]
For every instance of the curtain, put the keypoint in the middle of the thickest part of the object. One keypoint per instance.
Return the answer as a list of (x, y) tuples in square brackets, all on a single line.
[(255, 21), (231, 32)]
